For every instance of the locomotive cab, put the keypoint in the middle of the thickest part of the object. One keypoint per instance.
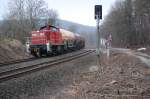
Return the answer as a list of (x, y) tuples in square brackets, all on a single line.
[(45, 41)]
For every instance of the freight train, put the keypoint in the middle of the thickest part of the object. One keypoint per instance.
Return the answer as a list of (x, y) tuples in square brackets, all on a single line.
[(49, 40)]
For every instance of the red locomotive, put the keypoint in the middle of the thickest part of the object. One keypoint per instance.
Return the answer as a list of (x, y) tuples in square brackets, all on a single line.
[(50, 40)]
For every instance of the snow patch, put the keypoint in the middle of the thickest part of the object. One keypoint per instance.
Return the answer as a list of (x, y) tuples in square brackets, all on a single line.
[(141, 49), (93, 68)]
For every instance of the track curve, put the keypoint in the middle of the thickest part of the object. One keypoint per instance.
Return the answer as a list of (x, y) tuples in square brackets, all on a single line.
[(15, 73)]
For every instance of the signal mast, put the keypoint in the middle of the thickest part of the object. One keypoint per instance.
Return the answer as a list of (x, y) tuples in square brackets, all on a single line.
[(98, 17)]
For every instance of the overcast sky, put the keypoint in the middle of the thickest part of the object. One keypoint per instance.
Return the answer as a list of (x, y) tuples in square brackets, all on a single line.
[(79, 11)]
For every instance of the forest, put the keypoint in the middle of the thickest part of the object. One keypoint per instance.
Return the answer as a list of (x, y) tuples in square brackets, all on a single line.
[(129, 23)]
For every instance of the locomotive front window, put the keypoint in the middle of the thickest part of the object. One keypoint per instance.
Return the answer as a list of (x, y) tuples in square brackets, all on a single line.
[(34, 34), (38, 34), (53, 29)]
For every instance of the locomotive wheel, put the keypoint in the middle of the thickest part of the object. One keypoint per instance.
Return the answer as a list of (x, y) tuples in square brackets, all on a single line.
[(59, 49), (38, 54), (34, 54)]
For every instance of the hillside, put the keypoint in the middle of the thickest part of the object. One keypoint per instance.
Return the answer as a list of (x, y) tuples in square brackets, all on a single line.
[(79, 27), (11, 49)]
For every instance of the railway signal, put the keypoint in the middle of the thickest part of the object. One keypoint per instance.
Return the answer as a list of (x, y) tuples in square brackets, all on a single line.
[(98, 16), (98, 11)]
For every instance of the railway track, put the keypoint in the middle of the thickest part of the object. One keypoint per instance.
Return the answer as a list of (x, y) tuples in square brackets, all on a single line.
[(19, 61), (16, 61), (15, 73)]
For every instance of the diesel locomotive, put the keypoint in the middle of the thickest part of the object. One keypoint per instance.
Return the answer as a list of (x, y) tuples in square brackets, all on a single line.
[(49, 40)]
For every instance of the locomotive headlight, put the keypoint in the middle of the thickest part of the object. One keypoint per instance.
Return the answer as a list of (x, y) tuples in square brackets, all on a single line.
[(27, 47), (48, 47)]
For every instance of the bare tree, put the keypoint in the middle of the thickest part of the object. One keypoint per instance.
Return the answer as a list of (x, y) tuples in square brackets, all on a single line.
[(16, 9), (52, 16), (120, 24), (142, 21), (14, 21), (35, 9), (24, 16)]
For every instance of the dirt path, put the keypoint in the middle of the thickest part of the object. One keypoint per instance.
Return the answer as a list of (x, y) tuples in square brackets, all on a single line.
[(145, 58), (123, 76)]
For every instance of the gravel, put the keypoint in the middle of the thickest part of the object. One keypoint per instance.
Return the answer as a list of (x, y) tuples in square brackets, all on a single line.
[(120, 77), (44, 83), (34, 62)]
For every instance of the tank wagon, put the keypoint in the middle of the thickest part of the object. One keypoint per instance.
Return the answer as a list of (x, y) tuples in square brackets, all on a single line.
[(50, 40)]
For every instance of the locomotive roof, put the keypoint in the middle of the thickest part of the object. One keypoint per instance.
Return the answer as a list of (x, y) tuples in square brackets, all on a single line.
[(47, 26), (66, 33)]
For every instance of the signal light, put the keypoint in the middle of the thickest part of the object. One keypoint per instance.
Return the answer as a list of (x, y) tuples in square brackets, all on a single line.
[(98, 11)]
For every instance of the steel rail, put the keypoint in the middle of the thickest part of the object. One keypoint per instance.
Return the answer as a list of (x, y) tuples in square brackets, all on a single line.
[(16, 61), (15, 73), (2, 64)]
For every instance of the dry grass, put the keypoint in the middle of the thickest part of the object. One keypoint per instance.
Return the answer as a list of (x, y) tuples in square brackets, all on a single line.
[(122, 77)]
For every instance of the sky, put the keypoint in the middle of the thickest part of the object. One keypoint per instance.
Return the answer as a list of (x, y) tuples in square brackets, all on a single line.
[(78, 11)]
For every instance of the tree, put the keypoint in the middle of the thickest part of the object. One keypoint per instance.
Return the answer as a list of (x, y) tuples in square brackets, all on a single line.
[(35, 9), (142, 21), (119, 23), (52, 16), (14, 22), (16, 9), (24, 16)]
